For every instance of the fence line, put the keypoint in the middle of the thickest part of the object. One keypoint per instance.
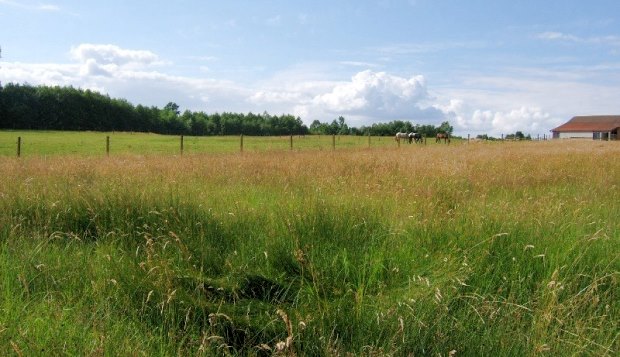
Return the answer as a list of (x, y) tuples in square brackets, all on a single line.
[(319, 144)]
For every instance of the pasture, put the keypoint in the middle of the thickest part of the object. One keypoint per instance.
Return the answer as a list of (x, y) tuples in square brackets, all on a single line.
[(482, 249), (54, 143)]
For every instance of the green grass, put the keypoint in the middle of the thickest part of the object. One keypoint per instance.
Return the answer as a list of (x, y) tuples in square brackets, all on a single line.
[(470, 250), (54, 143)]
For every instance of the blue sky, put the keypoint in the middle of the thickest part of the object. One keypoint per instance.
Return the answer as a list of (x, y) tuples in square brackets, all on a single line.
[(487, 67)]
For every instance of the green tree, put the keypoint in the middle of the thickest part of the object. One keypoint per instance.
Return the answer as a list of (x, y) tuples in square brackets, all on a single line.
[(445, 127), (519, 135), (343, 128)]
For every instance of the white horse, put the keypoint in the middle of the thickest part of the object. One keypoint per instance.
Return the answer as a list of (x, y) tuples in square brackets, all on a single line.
[(400, 135)]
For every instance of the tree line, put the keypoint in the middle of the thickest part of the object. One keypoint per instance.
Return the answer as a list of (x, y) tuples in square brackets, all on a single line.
[(67, 108), (27, 107), (340, 127)]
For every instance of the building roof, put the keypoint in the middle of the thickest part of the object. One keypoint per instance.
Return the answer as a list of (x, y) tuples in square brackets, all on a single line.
[(590, 123)]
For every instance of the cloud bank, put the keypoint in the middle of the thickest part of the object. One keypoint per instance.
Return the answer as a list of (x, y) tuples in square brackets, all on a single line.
[(366, 97)]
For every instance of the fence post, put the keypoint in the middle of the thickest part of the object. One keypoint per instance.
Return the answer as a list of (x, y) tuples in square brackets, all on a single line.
[(107, 145), (334, 141), (241, 139), (468, 138), (291, 141), (19, 146), (369, 139), (181, 144)]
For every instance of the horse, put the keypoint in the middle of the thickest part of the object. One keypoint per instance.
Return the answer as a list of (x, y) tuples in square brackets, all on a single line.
[(444, 136), (400, 135), (416, 137)]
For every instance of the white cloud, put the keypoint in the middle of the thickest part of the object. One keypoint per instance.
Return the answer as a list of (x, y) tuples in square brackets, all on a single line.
[(48, 7), (42, 73), (202, 58), (609, 40), (112, 61), (524, 119), (358, 64), (30, 6), (400, 49), (367, 97), (127, 74), (111, 54), (378, 95), (557, 36), (532, 100)]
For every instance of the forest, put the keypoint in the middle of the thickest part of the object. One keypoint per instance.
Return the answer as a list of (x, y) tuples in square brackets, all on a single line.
[(28, 107)]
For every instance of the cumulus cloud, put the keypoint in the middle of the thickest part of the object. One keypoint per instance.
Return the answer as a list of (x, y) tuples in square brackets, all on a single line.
[(374, 91), (132, 74), (39, 73), (495, 123), (378, 96), (368, 96), (105, 59)]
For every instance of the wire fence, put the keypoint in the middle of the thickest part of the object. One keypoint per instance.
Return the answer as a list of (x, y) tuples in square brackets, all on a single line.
[(42, 143), (61, 143)]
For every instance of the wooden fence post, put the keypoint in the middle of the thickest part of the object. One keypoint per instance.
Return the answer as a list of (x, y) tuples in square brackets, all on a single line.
[(369, 140), (181, 144), (334, 141), (291, 142), (241, 145), (107, 145), (19, 146)]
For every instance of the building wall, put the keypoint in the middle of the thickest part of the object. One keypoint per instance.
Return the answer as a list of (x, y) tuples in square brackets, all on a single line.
[(573, 135)]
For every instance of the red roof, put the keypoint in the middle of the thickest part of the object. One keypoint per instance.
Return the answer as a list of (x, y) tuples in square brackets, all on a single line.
[(590, 124)]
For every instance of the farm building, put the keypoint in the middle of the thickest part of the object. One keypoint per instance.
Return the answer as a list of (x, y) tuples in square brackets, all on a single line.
[(596, 127)]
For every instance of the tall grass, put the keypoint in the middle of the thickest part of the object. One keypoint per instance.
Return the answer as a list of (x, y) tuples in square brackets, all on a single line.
[(463, 249)]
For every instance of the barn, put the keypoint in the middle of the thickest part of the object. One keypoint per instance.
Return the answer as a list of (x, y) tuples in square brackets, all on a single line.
[(595, 127)]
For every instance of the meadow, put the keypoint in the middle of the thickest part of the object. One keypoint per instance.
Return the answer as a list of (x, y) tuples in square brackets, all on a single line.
[(53, 143), (445, 250)]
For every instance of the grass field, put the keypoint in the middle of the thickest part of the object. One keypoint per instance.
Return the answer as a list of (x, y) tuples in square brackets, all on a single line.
[(52, 143), (480, 249)]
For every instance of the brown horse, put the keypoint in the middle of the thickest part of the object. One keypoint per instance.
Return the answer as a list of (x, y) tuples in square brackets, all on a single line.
[(444, 136)]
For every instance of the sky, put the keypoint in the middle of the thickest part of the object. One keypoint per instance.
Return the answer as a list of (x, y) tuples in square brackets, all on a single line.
[(487, 67)]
